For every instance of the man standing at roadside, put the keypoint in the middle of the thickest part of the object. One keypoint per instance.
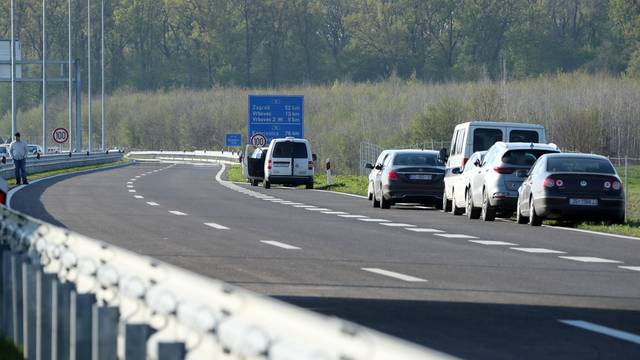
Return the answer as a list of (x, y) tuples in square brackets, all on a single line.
[(18, 151)]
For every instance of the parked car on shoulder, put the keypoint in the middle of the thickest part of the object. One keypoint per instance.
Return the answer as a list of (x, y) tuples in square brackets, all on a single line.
[(34, 149), (462, 184), (289, 161), (497, 178), (474, 136), (376, 168), (571, 187), (408, 176), (255, 165), (4, 189)]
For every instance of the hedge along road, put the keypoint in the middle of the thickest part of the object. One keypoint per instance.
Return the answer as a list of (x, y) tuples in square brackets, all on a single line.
[(471, 289)]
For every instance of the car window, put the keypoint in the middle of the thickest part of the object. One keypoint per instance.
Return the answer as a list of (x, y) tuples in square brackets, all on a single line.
[(417, 159), (387, 160), (470, 163), (483, 139), (524, 136), (580, 165), (290, 149), (381, 158), (523, 157), (453, 142), (491, 155), (460, 142)]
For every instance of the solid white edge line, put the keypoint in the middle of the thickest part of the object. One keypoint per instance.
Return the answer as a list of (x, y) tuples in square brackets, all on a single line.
[(604, 330), (593, 232), (18, 188), (394, 275), (632, 268), (280, 244)]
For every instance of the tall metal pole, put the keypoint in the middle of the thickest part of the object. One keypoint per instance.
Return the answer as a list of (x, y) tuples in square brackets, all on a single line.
[(44, 77), (14, 125), (69, 72), (102, 74), (89, 72)]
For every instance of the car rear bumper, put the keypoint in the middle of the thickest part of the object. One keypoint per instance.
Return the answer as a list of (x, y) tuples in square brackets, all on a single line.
[(504, 201), (290, 180), (558, 207), (413, 194)]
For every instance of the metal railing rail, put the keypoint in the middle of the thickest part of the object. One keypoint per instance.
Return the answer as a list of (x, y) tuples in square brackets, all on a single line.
[(66, 296), (185, 156), (60, 161)]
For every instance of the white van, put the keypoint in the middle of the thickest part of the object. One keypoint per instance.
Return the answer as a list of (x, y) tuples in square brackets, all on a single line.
[(474, 136), (289, 161)]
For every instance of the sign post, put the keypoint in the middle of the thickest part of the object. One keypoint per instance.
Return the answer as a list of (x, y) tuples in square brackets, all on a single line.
[(272, 117)]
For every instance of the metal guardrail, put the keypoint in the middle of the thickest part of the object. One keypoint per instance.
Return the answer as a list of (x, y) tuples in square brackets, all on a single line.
[(66, 296), (60, 161), (185, 156)]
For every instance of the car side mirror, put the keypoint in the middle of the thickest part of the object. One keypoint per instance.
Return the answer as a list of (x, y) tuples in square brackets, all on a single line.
[(314, 157), (477, 163), (378, 167), (443, 155), (368, 166), (456, 171)]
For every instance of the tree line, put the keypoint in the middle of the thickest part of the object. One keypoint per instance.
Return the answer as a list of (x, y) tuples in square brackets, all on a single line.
[(153, 44)]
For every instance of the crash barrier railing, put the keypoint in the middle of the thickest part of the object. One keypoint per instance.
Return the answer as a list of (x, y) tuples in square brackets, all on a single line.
[(185, 156), (60, 161), (66, 296)]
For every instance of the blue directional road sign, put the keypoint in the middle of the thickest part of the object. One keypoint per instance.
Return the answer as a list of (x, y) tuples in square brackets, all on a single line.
[(233, 140), (272, 117)]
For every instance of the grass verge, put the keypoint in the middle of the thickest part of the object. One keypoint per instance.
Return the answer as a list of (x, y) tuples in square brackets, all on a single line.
[(358, 185), (39, 175), (8, 351)]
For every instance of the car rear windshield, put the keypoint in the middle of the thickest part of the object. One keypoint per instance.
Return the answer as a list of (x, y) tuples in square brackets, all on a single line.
[(522, 157), (483, 139), (580, 165), (524, 136), (290, 149), (417, 160)]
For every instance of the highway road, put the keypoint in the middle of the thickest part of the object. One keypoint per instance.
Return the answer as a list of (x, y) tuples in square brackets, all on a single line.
[(471, 289)]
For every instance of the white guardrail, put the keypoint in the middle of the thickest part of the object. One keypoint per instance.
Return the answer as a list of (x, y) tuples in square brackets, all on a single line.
[(66, 296), (60, 161), (185, 156)]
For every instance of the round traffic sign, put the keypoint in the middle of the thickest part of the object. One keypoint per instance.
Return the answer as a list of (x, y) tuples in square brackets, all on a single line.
[(60, 135), (258, 140)]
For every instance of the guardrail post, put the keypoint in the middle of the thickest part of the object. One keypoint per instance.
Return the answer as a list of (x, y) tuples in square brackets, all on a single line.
[(80, 330), (30, 307), (44, 320), (171, 351), (105, 332), (61, 315), (135, 341), (16, 298)]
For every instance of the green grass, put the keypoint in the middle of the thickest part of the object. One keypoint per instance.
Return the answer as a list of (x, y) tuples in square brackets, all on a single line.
[(8, 351), (39, 175)]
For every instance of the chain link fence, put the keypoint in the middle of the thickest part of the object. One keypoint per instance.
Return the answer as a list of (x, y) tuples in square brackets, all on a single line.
[(629, 171)]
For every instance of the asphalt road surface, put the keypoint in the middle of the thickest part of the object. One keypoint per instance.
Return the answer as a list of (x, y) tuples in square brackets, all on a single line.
[(470, 289)]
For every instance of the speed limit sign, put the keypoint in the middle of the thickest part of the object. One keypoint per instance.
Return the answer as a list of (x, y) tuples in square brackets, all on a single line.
[(258, 140), (60, 135)]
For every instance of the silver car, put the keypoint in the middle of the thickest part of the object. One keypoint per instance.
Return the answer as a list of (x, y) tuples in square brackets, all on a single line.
[(496, 179)]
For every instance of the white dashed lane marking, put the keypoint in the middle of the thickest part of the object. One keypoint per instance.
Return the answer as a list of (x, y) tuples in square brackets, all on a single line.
[(538, 250), (398, 225), (590, 259), (335, 212), (280, 244), (424, 230), (491, 242), (633, 268), (317, 209), (348, 216), (373, 220), (394, 275), (618, 334), (303, 206), (456, 236), (153, 203), (131, 191), (138, 196), (176, 212), (217, 226)]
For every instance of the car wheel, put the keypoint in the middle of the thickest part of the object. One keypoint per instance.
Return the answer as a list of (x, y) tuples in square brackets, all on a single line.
[(309, 186), (488, 212), (472, 211), (455, 210), (446, 203), (266, 184), (534, 219), (520, 219), (370, 193), (375, 202), (384, 204)]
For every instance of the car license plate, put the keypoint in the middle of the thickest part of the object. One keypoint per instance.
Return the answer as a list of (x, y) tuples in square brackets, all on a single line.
[(584, 202), (420, 177), (281, 164)]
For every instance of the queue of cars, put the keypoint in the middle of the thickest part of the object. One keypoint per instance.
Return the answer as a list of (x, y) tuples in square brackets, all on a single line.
[(498, 169)]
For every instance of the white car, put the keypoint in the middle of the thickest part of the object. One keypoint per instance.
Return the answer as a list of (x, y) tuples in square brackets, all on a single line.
[(474, 136), (4, 189), (289, 161), (462, 184), (375, 170)]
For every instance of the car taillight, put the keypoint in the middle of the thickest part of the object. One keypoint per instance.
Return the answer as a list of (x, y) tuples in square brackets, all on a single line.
[(310, 165), (393, 175), (269, 165), (504, 170), (559, 183), (607, 185), (3, 198), (549, 182), (616, 185)]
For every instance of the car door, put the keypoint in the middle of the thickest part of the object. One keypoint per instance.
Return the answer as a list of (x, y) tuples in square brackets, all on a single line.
[(282, 164), (477, 178), (374, 172), (379, 180), (300, 159), (524, 192)]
